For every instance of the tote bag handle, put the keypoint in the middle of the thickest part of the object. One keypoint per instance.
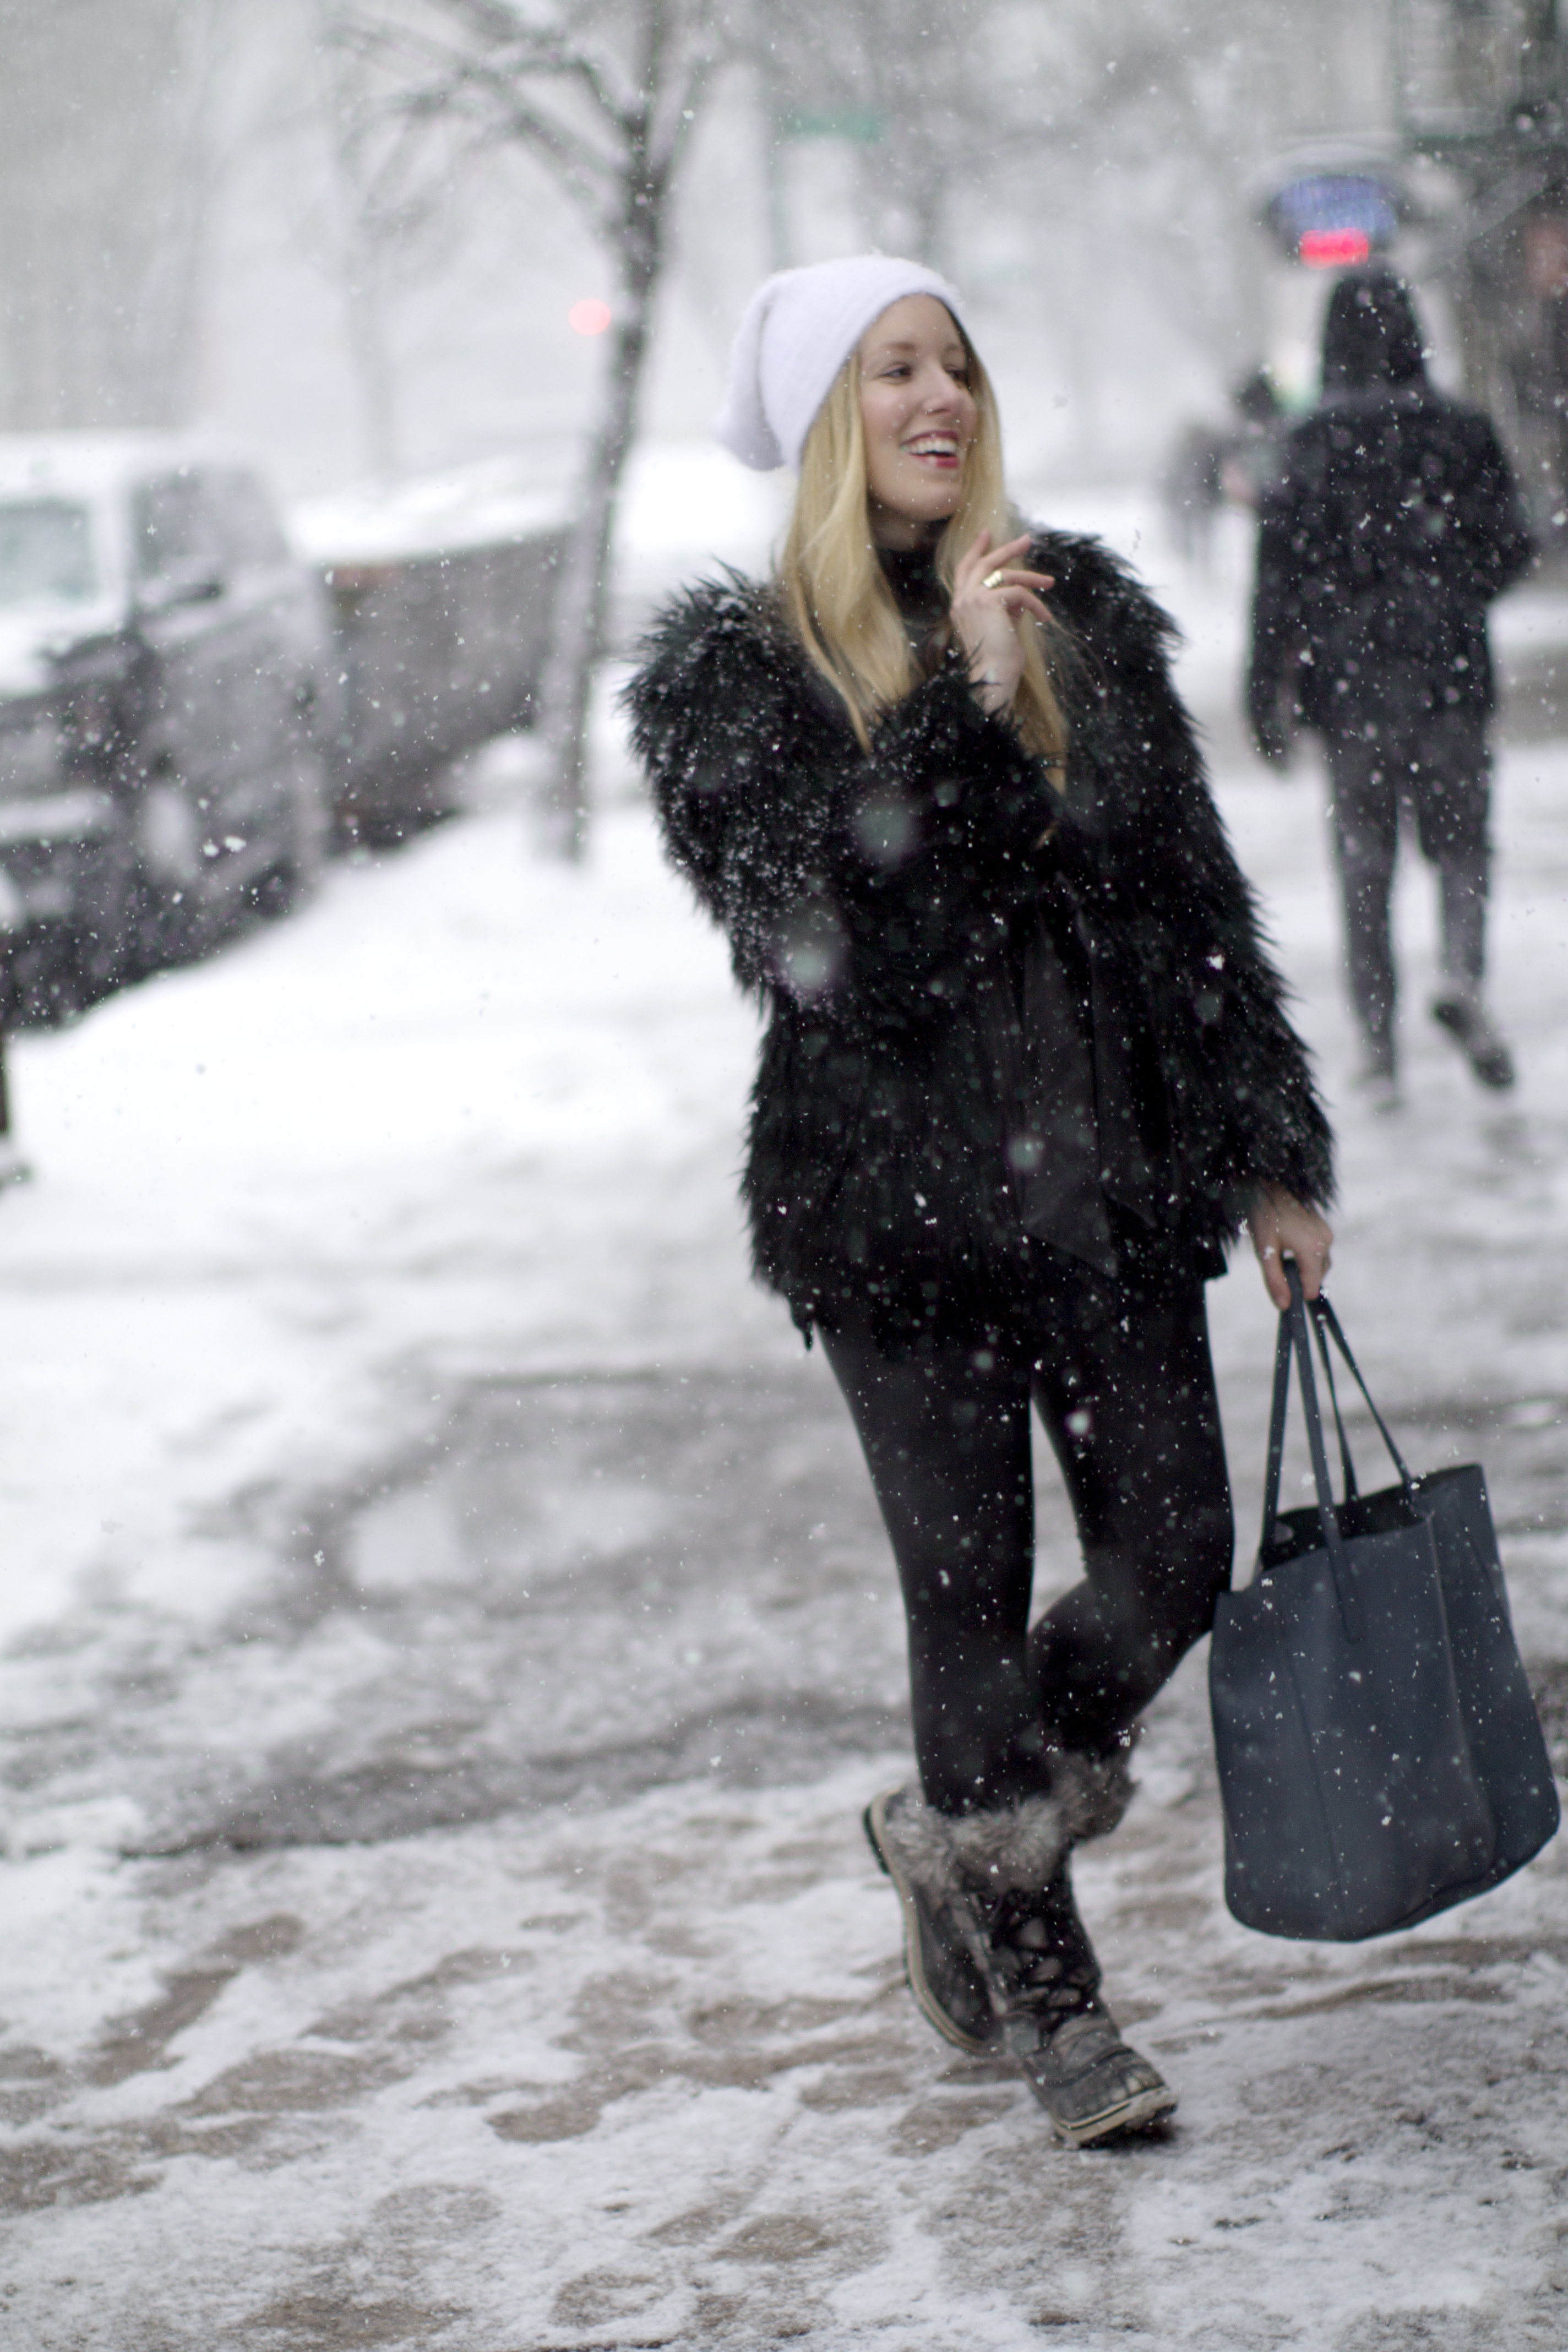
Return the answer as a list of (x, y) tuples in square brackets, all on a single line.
[(1293, 1337), (1347, 1465), (1325, 1319)]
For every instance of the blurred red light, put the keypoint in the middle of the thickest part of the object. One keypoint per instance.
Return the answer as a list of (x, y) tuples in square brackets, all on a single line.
[(589, 317), (1333, 248)]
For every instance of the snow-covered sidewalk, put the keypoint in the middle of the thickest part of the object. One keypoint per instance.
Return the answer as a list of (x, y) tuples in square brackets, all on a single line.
[(630, 2063)]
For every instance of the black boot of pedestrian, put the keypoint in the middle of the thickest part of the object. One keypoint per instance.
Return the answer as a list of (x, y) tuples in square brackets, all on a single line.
[(939, 1938), (995, 1953), (1044, 1984)]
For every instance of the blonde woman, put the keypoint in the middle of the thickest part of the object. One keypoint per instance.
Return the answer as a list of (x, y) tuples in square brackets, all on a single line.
[(1025, 1075)]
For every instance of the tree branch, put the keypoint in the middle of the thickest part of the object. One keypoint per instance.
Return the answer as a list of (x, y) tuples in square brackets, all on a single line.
[(451, 81), (522, 48)]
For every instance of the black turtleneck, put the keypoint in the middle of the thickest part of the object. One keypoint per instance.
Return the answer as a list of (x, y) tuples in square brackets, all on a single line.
[(921, 600)]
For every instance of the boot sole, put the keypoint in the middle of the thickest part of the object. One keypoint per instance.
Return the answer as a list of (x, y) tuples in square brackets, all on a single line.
[(873, 1821), (1131, 2114)]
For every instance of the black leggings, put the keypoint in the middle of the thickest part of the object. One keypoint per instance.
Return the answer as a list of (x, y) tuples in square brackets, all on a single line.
[(1130, 1407)]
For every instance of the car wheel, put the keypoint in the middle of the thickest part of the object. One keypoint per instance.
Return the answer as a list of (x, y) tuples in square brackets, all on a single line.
[(169, 921), (302, 845), (103, 953)]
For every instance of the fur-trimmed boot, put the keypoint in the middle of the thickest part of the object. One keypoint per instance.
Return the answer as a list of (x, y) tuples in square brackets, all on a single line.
[(996, 1954), (939, 1960)]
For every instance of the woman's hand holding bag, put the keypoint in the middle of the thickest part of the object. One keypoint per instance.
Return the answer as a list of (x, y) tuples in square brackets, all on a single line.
[(1283, 1227)]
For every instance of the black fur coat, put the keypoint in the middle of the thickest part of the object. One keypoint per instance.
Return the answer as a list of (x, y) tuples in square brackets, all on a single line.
[(871, 902)]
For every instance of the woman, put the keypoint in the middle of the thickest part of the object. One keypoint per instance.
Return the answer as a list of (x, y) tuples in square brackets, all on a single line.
[(1026, 1073)]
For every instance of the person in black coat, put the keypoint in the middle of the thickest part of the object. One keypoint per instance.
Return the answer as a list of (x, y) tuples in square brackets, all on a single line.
[(1394, 523), (1026, 1073)]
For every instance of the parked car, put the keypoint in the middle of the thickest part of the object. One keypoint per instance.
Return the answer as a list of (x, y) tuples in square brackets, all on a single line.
[(168, 689), (441, 591)]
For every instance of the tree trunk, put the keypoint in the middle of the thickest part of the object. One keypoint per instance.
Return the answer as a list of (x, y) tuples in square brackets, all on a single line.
[(577, 637)]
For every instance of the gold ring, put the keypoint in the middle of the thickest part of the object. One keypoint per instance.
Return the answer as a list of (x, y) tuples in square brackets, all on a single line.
[(992, 580)]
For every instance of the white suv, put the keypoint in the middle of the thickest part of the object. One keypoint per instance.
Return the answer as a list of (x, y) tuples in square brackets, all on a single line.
[(167, 685)]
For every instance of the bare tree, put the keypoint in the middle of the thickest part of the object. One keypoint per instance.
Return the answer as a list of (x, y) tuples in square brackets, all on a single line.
[(1123, 130), (1138, 126), (901, 88), (602, 94), (372, 229)]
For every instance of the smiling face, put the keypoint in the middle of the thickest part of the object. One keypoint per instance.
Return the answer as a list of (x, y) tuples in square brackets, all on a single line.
[(920, 418)]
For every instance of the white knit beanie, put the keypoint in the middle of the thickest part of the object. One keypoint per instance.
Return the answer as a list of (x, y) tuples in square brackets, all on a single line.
[(800, 326)]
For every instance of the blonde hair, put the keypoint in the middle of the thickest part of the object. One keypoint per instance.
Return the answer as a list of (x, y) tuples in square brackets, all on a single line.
[(835, 592)]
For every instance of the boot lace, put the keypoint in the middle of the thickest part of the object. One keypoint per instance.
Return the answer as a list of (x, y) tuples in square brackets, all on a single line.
[(1040, 1959)]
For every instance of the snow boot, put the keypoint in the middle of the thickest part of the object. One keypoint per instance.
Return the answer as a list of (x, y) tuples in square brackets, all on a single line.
[(948, 1989), (995, 1953), (1461, 1014), (1044, 1983)]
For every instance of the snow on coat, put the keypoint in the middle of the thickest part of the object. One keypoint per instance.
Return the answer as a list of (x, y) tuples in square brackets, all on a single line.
[(870, 900)]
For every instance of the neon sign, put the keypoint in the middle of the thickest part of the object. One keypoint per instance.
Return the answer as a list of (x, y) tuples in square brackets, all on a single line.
[(1333, 248), (1333, 220)]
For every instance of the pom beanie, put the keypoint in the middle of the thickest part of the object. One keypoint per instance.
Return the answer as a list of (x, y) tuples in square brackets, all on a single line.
[(800, 326)]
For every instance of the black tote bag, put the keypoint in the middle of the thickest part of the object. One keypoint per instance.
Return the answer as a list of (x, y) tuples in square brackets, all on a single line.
[(1380, 1755)]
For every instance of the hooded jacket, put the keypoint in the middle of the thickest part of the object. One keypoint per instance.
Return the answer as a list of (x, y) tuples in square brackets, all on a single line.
[(1394, 523), (881, 907)]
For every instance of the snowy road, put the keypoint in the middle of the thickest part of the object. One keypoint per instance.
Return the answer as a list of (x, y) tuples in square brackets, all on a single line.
[(450, 1640)]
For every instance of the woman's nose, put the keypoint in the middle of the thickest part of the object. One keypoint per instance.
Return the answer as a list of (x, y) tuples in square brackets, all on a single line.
[(940, 394)]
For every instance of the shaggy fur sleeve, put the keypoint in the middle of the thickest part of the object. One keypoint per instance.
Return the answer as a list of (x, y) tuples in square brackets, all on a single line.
[(870, 888), (1145, 844)]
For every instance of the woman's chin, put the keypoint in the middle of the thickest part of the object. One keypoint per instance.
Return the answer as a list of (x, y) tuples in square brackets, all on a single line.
[(927, 512), (937, 501)]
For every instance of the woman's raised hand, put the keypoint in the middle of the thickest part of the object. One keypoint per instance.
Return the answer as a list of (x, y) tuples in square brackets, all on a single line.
[(989, 599)]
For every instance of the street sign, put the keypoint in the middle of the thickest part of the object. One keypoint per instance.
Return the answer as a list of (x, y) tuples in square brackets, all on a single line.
[(861, 124)]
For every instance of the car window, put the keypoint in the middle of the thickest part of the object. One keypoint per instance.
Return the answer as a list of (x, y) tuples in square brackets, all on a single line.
[(176, 529), (246, 520), (46, 551)]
